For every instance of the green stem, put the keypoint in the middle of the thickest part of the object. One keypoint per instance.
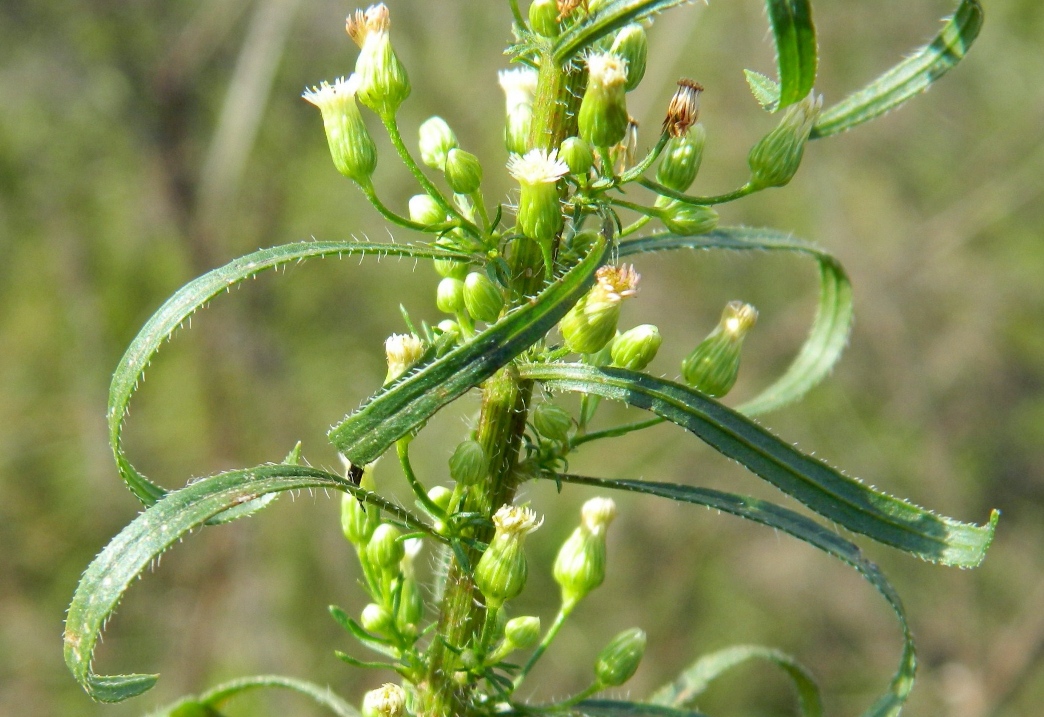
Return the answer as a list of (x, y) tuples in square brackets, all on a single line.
[(635, 226), (549, 636), (392, 125), (614, 432), (402, 447), (480, 204), (394, 218), (638, 170), (575, 699), (743, 191), (517, 15), (647, 211)]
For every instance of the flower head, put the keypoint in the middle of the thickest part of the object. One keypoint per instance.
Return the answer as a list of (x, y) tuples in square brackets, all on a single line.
[(403, 350), (353, 151), (684, 109), (515, 520), (603, 110), (360, 25), (519, 87), (537, 166), (389, 700), (383, 83)]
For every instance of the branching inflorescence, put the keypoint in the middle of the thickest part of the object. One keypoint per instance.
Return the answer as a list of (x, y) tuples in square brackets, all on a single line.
[(564, 261)]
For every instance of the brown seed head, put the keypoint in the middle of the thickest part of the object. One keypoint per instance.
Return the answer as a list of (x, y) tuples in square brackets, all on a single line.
[(567, 7), (684, 109), (361, 24)]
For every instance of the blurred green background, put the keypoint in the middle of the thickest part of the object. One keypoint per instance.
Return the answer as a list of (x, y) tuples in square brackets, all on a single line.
[(142, 144)]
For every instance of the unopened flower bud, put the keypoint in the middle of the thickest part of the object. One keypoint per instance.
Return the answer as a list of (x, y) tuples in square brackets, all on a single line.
[(577, 155), (449, 268), (463, 171), (603, 110), (376, 618), (580, 564), (632, 44), (519, 87), (383, 84), (591, 323), (450, 296), (353, 151), (684, 109), (425, 210), (774, 160), (552, 421), (713, 366), (411, 602), (359, 520), (436, 139), (440, 495), (636, 348), (543, 17), (619, 660), (385, 550), (681, 158), (482, 297), (522, 632), (468, 464), (502, 571), (386, 701), (449, 326), (687, 219), (402, 350)]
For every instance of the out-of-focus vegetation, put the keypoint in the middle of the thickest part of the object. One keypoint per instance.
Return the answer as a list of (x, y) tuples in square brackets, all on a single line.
[(142, 144)]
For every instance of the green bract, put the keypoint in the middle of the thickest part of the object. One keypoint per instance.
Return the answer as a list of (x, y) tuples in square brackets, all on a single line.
[(550, 256)]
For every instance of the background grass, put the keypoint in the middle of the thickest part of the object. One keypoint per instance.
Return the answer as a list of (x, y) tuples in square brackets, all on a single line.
[(143, 144)]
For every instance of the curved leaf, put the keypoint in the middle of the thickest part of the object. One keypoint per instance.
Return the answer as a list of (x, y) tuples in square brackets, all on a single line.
[(802, 528), (611, 16), (796, 51), (205, 703), (908, 78), (194, 296), (404, 405), (150, 534), (829, 334), (620, 708), (695, 679), (836, 497)]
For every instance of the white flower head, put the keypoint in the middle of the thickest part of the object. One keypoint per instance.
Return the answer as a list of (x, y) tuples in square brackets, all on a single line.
[(607, 69), (328, 96), (402, 350), (519, 85), (537, 166), (597, 514), (516, 520), (389, 700), (616, 283)]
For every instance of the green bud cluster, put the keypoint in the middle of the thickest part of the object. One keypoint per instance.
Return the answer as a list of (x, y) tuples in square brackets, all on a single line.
[(714, 364)]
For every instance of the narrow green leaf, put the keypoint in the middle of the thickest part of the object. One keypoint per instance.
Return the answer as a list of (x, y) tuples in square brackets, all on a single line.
[(802, 528), (204, 704), (404, 405), (833, 320), (796, 51), (909, 77), (766, 90), (194, 296), (697, 678), (836, 497), (620, 708), (611, 16), (146, 538)]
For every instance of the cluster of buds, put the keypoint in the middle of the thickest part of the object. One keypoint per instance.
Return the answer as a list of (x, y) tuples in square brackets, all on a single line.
[(387, 560), (714, 364), (591, 324)]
